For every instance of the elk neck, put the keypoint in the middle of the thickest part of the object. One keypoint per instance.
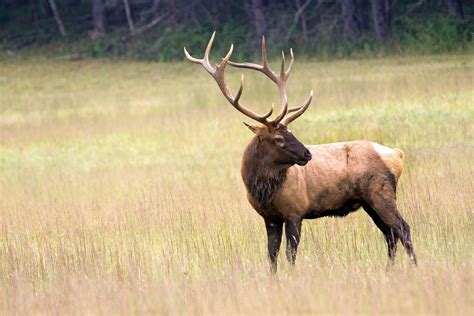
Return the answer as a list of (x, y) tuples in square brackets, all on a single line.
[(261, 174)]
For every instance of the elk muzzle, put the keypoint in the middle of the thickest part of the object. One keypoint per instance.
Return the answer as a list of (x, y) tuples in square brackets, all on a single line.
[(307, 156)]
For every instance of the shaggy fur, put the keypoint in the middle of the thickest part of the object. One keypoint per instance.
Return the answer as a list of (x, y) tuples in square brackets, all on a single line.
[(261, 182), (262, 188)]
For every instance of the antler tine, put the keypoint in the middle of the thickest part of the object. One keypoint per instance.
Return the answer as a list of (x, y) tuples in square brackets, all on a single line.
[(191, 58), (284, 109), (235, 102), (208, 48), (298, 110), (270, 112), (221, 66), (279, 80), (218, 75), (263, 68), (205, 60)]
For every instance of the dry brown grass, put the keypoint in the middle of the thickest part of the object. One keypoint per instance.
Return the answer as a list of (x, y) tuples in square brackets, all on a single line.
[(120, 190)]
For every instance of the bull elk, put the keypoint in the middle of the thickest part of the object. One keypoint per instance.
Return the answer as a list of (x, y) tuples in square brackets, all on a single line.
[(287, 181)]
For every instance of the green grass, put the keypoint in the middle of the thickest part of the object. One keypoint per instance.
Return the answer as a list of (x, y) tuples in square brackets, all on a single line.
[(121, 190)]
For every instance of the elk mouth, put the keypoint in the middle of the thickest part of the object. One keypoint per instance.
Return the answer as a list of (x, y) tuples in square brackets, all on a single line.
[(302, 162)]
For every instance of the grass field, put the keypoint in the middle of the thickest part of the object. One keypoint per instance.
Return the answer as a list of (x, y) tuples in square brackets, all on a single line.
[(121, 191)]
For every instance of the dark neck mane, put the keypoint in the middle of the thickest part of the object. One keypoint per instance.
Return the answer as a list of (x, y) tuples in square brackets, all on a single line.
[(262, 177)]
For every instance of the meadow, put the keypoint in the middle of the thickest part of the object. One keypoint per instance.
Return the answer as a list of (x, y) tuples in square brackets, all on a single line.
[(121, 193)]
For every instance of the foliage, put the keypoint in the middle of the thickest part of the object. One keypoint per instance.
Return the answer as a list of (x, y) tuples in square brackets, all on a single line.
[(416, 29), (435, 34)]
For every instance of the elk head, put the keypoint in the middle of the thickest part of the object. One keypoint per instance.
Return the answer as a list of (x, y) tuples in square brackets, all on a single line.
[(273, 136)]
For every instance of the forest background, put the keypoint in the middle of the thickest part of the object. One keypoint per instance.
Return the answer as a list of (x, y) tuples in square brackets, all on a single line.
[(158, 29)]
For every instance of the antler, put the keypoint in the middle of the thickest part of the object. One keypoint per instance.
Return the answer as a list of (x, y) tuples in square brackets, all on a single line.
[(218, 75), (298, 110), (280, 82)]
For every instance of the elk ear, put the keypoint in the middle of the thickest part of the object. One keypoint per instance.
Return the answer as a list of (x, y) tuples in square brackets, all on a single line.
[(254, 129)]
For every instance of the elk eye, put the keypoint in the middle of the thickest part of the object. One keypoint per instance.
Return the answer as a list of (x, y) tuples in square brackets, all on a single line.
[(279, 141)]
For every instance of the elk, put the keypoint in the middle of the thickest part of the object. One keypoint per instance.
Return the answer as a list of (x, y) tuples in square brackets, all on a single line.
[(287, 181)]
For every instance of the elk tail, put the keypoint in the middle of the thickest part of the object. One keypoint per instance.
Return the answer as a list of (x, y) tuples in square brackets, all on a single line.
[(398, 162), (400, 154)]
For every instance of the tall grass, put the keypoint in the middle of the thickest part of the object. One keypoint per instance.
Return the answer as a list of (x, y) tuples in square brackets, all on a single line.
[(121, 193)]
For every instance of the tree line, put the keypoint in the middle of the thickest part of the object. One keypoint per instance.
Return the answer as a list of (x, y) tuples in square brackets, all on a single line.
[(297, 22)]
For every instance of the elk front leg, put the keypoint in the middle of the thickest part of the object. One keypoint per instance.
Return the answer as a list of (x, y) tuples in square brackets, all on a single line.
[(293, 231), (274, 232)]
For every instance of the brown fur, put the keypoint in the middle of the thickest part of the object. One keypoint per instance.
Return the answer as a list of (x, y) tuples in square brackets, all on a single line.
[(337, 174), (337, 180)]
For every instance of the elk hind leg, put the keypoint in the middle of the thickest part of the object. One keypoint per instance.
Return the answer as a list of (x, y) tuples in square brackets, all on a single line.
[(405, 238), (385, 207), (390, 237)]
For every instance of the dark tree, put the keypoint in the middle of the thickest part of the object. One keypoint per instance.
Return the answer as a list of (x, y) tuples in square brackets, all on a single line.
[(363, 14), (259, 17), (381, 16), (349, 16), (57, 18), (302, 15), (455, 8), (128, 14), (99, 18)]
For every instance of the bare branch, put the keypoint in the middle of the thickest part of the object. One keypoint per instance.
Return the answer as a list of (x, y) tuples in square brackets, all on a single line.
[(296, 17), (146, 27), (59, 22), (128, 13)]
